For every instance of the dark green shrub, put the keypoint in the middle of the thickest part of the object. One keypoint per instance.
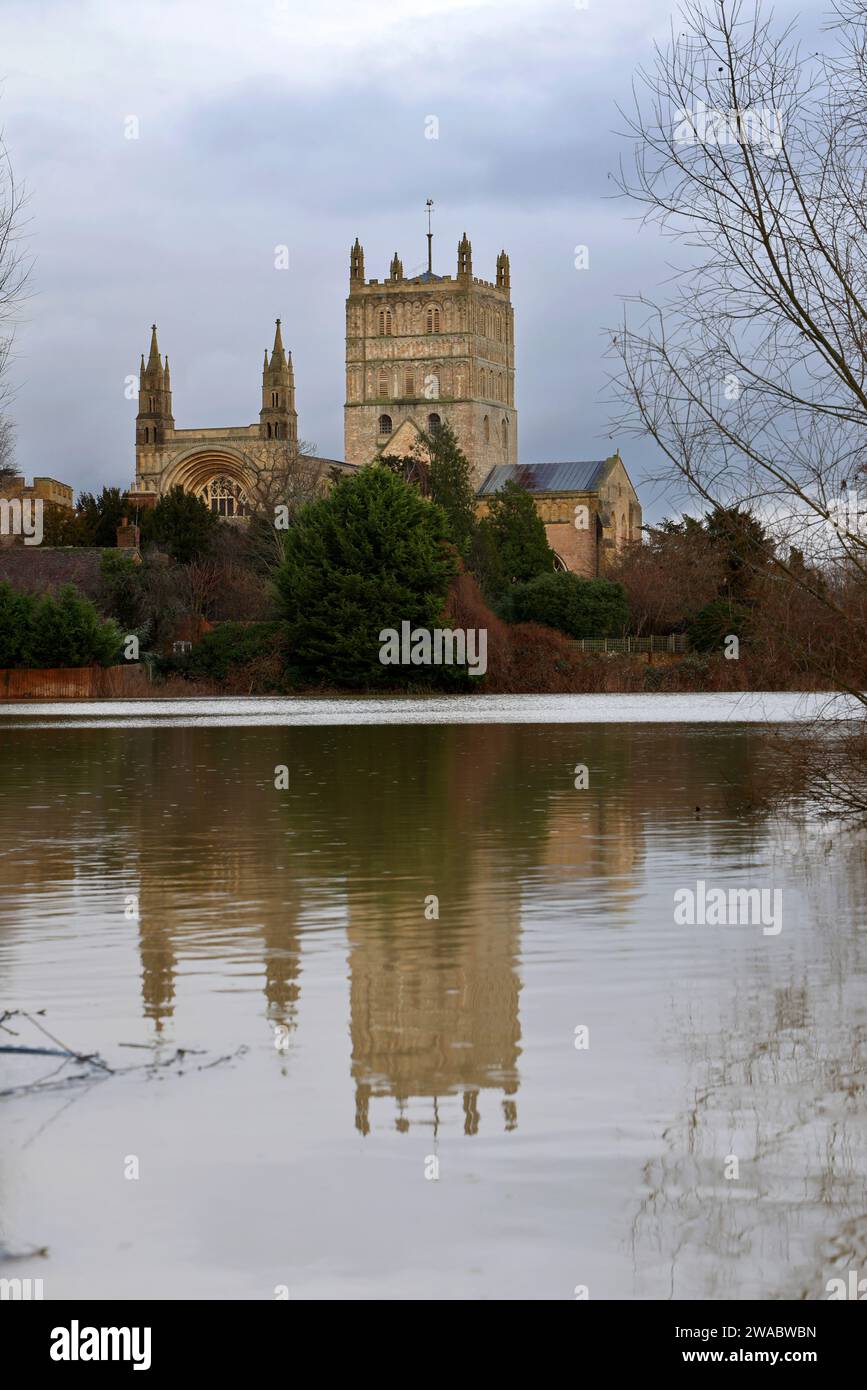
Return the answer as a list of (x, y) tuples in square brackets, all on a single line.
[(97, 518), (715, 622), (578, 607), (369, 556), (229, 646), (121, 578), (16, 611), (182, 525), (510, 544), (67, 631)]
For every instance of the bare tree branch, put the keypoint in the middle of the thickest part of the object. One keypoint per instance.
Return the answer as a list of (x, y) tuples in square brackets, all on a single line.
[(751, 375)]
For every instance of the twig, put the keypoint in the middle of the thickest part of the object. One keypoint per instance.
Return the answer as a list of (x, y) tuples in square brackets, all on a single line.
[(92, 1057)]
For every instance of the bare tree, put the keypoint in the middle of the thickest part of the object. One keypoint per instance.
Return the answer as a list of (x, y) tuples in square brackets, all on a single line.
[(201, 585), (287, 478), (8, 470), (14, 270), (751, 374)]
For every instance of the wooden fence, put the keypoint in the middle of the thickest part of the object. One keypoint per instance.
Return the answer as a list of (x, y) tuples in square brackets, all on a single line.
[(675, 642), (75, 683)]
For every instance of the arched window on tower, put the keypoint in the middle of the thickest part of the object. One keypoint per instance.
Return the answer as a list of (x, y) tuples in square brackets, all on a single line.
[(408, 384), (276, 431), (268, 430), (505, 436), (486, 429), (275, 397), (433, 423), (384, 323), (385, 424), (383, 384), (433, 319)]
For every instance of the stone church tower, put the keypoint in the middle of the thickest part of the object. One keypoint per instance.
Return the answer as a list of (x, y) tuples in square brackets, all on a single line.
[(277, 418), (154, 419), (428, 349), (220, 465)]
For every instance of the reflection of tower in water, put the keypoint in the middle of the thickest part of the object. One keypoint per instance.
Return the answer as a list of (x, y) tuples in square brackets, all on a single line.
[(434, 1011), (434, 1002), (158, 966), (217, 879), (164, 925)]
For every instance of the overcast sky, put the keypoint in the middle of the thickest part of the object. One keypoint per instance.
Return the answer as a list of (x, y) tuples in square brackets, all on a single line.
[(279, 122)]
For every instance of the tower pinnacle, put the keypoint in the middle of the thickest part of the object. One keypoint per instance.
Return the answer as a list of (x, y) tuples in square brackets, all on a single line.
[(429, 206), (278, 356), (356, 264), (277, 419)]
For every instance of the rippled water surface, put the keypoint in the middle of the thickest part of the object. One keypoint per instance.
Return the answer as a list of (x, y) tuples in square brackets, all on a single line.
[(158, 889)]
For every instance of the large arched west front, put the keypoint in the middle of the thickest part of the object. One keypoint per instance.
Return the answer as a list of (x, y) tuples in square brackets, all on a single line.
[(221, 478)]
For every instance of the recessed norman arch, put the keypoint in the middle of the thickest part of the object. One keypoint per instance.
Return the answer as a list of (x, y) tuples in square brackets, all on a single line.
[(194, 471)]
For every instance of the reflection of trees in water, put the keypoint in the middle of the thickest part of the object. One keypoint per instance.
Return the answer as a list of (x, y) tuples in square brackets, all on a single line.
[(780, 1084)]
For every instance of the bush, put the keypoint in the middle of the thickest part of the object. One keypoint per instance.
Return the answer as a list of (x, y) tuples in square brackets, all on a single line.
[(54, 632), (16, 611), (693, 672), (715, 622), (97, 518), (182, 525), (578, 607), (450, 485), (228, 647), (511, 544), (369, 556), (121, 582)]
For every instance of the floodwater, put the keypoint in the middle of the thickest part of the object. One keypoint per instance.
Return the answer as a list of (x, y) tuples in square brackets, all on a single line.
[(443, 1035)]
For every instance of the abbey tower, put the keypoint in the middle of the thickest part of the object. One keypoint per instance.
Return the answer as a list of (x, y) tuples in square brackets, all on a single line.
[(426, 349)]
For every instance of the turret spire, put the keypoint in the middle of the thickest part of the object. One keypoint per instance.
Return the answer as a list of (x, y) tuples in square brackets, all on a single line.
[(278, 356), (277, 419), (154, 417), (154, 358), (356, 264)]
